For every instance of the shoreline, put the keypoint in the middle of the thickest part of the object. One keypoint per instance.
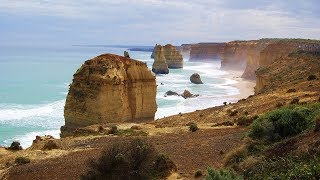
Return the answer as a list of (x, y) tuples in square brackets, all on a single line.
[(245, 87)]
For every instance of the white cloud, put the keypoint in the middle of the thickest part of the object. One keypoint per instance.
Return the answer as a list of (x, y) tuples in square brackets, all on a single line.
[(175, 20)]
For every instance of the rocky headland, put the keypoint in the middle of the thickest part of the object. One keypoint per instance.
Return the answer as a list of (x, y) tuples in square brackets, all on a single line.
[(206, 51)]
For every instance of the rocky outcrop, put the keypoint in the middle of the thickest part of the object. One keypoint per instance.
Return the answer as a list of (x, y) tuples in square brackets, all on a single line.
[(171, 93), (110, 88), (173, 57), (126, 54), (196, 79), (187, 94), (159, 65), (206, 51)]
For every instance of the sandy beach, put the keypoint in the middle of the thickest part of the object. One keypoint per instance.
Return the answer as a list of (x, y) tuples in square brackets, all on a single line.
[(246, 87)]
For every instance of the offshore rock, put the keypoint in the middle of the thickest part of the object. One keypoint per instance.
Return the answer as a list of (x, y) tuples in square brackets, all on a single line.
[(108, 89), (187, 94), (196, 79)]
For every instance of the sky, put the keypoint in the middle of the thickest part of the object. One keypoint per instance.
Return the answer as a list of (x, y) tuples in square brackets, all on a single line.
[(147, 22)]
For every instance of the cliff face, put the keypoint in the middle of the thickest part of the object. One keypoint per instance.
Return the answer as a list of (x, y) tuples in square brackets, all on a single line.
[(206, 51), (159, 65), (250, 55), (235, 54), (173, 56), (253, 56), (110, 88)]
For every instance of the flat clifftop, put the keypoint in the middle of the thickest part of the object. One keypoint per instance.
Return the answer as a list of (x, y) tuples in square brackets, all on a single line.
[(110, 88)]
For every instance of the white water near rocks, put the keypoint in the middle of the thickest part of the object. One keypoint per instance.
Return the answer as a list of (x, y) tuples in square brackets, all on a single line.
[(34, 84)]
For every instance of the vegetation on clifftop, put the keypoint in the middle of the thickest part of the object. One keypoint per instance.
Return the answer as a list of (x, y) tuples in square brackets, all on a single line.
[(272, 150)]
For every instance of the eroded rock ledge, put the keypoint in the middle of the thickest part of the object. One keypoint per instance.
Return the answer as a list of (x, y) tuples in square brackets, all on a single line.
[(110, 88)]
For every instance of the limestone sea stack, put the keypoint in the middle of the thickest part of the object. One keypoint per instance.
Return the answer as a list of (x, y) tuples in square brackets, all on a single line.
[(159, 65), (196, 79), (107, 89), (173, 57)]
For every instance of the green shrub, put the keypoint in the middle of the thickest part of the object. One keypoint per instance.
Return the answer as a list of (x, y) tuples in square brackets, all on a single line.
[(15, 146), (22, 160), (130, 160), (317, 126), (233, 113), (280, 124), (284, 168), (312, 77), (222, 174), (193, 127), (49, 145), (113, 130), (198, 173), (234, 157), (244, 121)]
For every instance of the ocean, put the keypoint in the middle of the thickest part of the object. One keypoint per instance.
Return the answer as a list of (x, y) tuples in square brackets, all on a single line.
[(34, 84)]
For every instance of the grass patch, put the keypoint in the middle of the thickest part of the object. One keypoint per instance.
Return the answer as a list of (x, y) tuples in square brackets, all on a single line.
[(130, 132)]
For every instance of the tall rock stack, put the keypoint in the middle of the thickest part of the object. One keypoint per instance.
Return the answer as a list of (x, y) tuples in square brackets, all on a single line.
[(173, 57), (159, 65), (107, 89)]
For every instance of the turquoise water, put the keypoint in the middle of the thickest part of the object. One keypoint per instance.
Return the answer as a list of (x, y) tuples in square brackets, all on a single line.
[(34, 84)]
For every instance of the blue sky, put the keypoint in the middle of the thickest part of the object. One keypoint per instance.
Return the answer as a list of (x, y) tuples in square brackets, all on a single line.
[(146, 22)]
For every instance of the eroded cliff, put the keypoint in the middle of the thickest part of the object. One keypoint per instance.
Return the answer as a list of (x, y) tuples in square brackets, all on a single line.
[(110, 88), (206, 51)]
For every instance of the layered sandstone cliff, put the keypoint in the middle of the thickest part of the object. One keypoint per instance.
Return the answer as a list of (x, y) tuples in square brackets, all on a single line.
[(206, 51), (159, 65), (173, 56), (235, 53), (253, 56), (110, 88)]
